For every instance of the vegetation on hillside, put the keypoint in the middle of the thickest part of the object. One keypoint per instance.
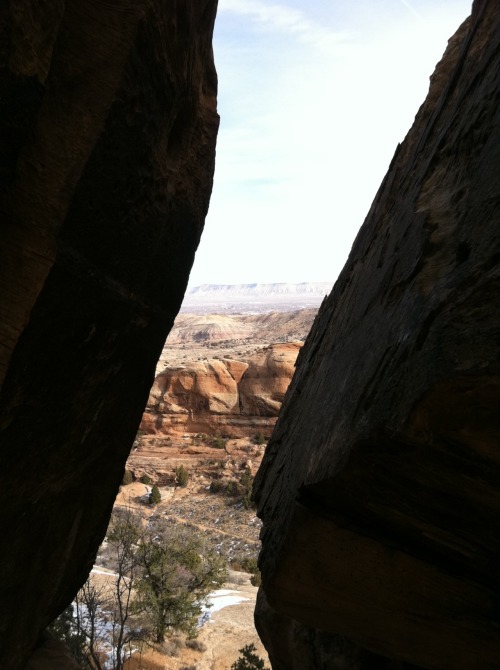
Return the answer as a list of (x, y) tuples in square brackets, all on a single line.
[(248, 659), (155, 495), (161, 578)]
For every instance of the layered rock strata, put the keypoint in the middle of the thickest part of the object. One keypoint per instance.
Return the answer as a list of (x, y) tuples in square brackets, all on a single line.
[(108, 125), (236, 397), (380, 487)]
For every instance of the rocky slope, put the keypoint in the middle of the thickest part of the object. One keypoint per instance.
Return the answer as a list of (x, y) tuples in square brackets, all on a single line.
[(380, 488), (108, 125), (233, 329)]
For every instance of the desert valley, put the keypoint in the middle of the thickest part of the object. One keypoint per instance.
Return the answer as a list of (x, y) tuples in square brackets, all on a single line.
[(375, 469), (219, 386)]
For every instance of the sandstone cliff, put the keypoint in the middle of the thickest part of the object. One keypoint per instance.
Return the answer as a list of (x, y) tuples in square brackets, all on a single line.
[(237, 397), (380, 487), (107, 127)]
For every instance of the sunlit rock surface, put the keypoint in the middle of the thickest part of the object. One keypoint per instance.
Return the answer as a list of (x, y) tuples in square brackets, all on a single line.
[(107, 126), (380, 488), (236, 397)]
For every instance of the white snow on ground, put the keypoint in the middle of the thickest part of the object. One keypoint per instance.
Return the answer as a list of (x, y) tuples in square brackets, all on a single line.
[(103, 571), (224, 598)]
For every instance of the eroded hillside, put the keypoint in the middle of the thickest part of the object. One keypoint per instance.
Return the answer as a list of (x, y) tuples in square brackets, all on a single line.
[(225, 374)]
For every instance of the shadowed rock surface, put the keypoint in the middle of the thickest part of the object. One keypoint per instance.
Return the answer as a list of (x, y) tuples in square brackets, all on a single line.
[(108, 127), (380, 487)]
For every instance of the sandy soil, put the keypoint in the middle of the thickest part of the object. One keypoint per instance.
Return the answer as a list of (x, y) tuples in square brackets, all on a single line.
[(229, 629), (219, 641)]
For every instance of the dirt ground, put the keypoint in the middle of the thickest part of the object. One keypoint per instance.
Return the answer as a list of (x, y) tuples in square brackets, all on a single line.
[(229, 629), (220, 639)]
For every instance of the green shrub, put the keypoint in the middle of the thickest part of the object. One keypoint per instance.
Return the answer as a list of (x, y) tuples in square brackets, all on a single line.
[(217, 441), (256, 579), (259, 438), (248, 659), (232, 488), (128, 478), (181, 476), (146, 479), (154, 496), (216, 486), (246, 481), (249, 564)]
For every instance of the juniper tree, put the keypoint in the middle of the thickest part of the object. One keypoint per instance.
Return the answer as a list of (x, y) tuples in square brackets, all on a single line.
[(178, 574)]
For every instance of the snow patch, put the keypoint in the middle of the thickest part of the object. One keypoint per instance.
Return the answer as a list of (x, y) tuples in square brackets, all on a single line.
[(224, 598)]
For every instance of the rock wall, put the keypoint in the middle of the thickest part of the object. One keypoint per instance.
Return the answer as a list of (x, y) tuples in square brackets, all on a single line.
[(107, 127), (380, 487), (237, 397)]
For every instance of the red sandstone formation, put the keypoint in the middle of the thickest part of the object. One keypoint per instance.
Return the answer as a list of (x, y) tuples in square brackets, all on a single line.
[(230, 396)]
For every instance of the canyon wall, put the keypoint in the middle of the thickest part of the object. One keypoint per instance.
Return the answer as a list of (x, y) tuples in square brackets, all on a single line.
[(107, 128), (232, 397), (380, 487)]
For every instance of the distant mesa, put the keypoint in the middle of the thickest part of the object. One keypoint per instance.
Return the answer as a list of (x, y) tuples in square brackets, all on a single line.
[(255, 297)]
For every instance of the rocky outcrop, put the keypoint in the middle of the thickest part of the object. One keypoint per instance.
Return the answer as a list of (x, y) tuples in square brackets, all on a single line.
[(225, 395), (209, 328), (193, 329), (263, 386), (380, 487), (108, 125)]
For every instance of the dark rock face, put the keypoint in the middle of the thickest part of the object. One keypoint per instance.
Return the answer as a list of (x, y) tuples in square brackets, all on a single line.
[(108, 128), (313, 649), (380, 488)]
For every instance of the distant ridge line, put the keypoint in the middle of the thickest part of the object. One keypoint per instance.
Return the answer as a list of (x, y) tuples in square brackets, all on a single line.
[(255, 289)]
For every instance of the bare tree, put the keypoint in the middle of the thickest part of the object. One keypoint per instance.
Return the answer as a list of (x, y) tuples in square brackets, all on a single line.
[(162, 574), (123, 535), (103, 611), (90, 623)]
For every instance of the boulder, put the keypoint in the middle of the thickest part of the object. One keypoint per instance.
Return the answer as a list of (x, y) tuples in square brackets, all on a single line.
[(380, 487), (108, 125)]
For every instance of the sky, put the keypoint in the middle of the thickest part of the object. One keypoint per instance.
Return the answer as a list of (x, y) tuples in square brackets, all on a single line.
[(314, 96)]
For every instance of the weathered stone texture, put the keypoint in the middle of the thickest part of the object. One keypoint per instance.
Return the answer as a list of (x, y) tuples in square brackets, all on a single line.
[(380, 488), (108, 127), (229, 396)]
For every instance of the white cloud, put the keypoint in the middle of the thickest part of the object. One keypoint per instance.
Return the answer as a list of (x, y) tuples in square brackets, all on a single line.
[(277, 17)]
